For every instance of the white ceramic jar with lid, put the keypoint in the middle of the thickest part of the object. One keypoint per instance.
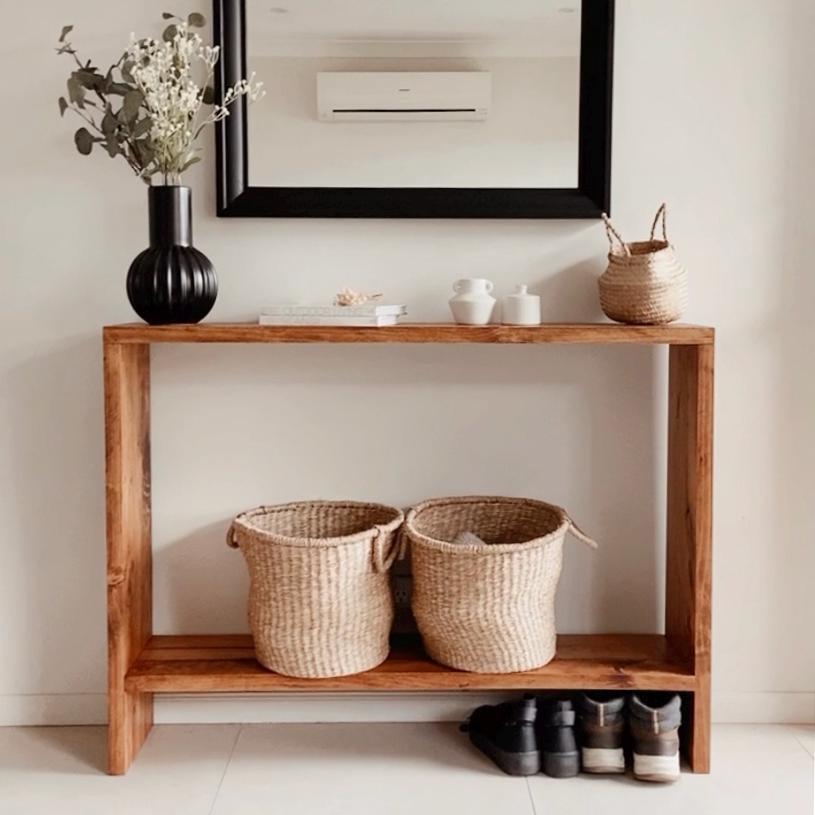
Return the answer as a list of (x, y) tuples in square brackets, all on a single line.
[(521, 307)]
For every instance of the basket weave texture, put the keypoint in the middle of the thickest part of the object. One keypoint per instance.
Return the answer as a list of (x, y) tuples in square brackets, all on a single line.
[(320, 602), (644, 283), (487, 609)]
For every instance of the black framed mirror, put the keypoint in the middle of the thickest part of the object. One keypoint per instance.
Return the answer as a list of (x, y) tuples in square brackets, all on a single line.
[(427, 109)]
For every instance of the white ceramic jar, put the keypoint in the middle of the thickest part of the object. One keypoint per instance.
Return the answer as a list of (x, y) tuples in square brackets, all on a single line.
[(521, 308), (472, 303)]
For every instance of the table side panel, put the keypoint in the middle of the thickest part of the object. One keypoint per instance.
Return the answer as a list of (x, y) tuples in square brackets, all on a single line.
[(129, 553)]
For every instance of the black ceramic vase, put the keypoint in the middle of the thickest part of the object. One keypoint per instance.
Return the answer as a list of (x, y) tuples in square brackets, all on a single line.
[(171, 282)]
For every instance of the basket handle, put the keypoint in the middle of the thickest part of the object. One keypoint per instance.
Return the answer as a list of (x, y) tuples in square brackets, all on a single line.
[(663, 213), (578, 533), (397, 550), (612, 233), (231, 540)]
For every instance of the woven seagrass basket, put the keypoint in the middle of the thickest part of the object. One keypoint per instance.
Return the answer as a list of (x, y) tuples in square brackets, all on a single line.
[(488, 608), (644, 283), (320, 602)]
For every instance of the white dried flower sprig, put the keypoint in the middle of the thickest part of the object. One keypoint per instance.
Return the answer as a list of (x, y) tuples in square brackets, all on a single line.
[(349, 297), (164, 72)]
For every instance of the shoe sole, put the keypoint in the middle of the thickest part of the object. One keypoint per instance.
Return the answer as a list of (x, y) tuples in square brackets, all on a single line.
[(603, 760), (561, 765), (510, 763), (656, 769)]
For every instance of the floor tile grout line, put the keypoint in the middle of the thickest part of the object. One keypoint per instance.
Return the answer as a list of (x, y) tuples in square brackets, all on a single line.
[(531, 797), (804, 734), (226, 768), (807, 750)]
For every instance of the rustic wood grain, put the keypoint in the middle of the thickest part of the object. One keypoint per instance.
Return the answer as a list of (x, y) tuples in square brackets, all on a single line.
[(129, 575), (140, 664), (689, 531), (202, 663), (597, 333)]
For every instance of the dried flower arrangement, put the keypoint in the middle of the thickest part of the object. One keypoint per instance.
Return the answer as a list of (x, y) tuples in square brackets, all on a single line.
[(151, 105)]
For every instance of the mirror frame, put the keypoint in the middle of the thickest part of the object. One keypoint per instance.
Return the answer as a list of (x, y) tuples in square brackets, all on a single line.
[(236, 198)]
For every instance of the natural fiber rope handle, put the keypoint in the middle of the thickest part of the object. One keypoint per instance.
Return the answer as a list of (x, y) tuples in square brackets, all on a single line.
[(580, 534), (612, 233), (230, 537), (397, 550), (662, 211)]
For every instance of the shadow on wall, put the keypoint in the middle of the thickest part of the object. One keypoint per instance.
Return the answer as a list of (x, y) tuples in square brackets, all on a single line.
[(564, 294), (200, 573), (56, 447)]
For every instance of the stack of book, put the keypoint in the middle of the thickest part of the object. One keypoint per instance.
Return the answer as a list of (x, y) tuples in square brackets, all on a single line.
[(367, 314)]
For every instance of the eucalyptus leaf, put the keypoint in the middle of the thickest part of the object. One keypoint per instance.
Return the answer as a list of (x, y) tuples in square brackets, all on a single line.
[(63, 106), (112, 146), (142, 127), (109, 122), (127, 75), (208, 97), (167, 15), (89, 79), (66, 30), (169, 33), (83, 141), (76, 93), (196, 20), (117, 88), (131, 104)]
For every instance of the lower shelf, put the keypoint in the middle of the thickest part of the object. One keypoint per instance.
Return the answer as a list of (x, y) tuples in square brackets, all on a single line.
[(223, 663)]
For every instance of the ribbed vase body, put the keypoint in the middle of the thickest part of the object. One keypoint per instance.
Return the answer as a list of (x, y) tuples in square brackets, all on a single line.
[(171, 282)]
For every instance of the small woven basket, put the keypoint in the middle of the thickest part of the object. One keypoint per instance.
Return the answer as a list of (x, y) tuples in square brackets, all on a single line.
[(644, 283), (320, 602), (488, 609)]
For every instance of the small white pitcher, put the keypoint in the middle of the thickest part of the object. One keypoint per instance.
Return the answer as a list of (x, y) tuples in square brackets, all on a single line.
[(472, 303)]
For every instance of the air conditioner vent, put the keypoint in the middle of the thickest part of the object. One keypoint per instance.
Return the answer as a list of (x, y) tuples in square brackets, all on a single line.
[(397, 96)]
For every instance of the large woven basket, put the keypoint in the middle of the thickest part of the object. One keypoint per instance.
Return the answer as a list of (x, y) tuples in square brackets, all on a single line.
[(487, 609), (320, 602), (644, 283)]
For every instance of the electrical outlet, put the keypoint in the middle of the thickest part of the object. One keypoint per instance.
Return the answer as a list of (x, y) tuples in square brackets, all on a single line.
[(401, 589)]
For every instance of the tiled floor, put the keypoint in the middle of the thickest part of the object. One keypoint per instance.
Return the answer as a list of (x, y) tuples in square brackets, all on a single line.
[(386, 769)]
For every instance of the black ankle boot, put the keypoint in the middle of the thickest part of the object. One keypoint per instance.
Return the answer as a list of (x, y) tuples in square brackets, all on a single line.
[(556, 740), (506, 733)]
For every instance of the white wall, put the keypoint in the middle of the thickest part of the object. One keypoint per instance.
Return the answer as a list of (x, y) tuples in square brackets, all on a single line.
[(713, 113), (528, 140)]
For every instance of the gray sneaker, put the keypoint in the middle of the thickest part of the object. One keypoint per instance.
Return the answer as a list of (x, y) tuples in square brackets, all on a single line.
[(601, 728), (653, 720)]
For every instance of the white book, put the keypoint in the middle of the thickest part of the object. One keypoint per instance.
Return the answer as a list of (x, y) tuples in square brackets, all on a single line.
[(309, 319), (363, 310)]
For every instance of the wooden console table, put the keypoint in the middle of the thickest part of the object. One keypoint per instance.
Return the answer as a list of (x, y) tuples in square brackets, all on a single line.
[(141, 664)]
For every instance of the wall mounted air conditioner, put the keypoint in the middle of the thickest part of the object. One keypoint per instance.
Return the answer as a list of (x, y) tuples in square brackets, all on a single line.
[(402, 96)]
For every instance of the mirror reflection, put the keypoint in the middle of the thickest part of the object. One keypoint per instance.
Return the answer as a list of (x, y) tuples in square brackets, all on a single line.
[(427, 93)]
